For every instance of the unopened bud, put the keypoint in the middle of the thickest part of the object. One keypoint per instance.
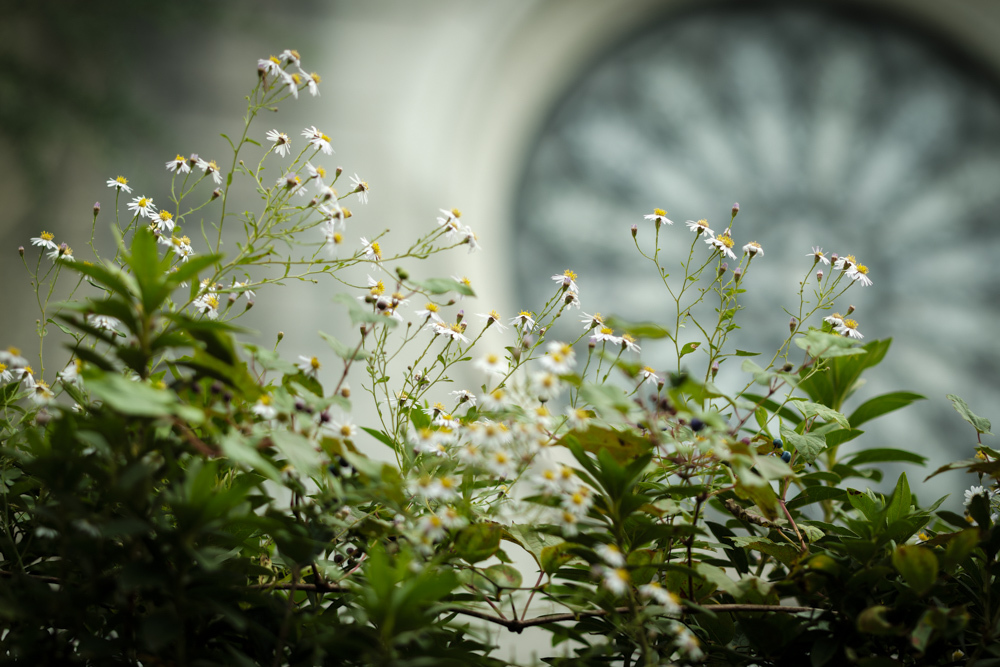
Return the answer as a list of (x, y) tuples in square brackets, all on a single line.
[(834, 257), (459, 317), (592, 344), (819, 275), (850, 309), (232, 298), (567, 281), (216, 193), (635, 230), (281, 334), (723, 268), (20, 250), (736, 209), (737, 274), (249, 304), (345, 390), (97, 208), (402, 273), (340, 170), (261, 72), (715, 369), (193, 160), (793, 325)]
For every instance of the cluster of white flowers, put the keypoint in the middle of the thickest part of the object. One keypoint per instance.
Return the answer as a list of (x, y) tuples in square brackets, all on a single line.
[(455, 230), (275, 68)]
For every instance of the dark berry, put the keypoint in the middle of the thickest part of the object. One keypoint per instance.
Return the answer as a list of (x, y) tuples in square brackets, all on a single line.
[(778, 444), (697, 424), (786, 457)]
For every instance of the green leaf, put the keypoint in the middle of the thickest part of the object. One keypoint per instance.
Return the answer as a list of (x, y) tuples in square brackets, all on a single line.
[(688, 349), (880, 405), (884, 455), (130, 398), (606, 399), (783, 553), (760, 376), (918, 565), (361, 315), (824, 345), (902, 500), (744, 353), (839, 377), (981, 424), (808, 445), (109, 277), (380, 436), (815, 494), (554, 557), (443, 286), (503, 575), (828, 415), (239, 450), (478, 542), (342, 350), (189, 270), (623, 446), (647, 330)]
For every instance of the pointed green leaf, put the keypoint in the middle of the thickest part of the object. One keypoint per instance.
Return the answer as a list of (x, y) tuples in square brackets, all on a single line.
[(808, 445), (981, 424), (647, 330), (918, 565), (880, 405), (443, 286), (478, 542)]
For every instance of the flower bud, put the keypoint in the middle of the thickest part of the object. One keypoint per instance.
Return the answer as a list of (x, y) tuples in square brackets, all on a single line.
[(715, 369), (787, 368), (833, 258), (402, 273), (339, 171), (193, 160), (723, 268), (345, 390), (459, 317), (792, 325), (97, 208), (216, 193), (20, 250), (249, 305), (736, 209), (232, 298), (737, 274), (819, 275), (281, 334), (850, 309), (635, 230), (592, 344)]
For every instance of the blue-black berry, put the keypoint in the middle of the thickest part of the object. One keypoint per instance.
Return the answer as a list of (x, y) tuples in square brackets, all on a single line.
[(786, 457), (697, 424), (778, 444)]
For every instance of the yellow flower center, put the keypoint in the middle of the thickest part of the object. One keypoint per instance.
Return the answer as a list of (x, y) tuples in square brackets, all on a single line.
[(321, 172), (3, 367), (166, 215), (660, 212), (455, 212), (345, 430), (725, 240), (121, 180), (275, 60), (143, 202), (703, 223), (179, 158), (265, 400), (337, 237), (378, 288), (492, 359), (377, 249), (213, 302), (850, 324), (494, 315), (314, 363), (447, 483), (315, 77), (432, 308), (47, 236), (28, 370), (212, 167), (526, 314), (324, 137), (862, 269), (296, 78), (570, 274), (465, 281), (628, 338), (607, 331), (15, 351)]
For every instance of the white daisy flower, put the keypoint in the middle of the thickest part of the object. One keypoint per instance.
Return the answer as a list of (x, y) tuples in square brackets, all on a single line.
[(630, 344), (848, 327), (41, 394), (432, 528), (72, 371), (845, 263), (318, 139), (449, 218), (453, 331), (361, 187), (180, 246), (650, 376), (723, 243), (496, 400), (332, 238), (292, 81), (372, 250), (344, 429), (5, 374), (45, 240), (818, 256), (753, 249), (312, 83), (524, 318), (62, 252), (659, 216), (309, 365), (859, 272), (492, 363), (577, 418), (163, 221), (24, 374), (700, 227), (606, 335), (500, 463), (465, 396), (142, 206), (207, 304), (616, 580), (567, 522), (120, 183), (591, 321), (271, 66), (264, 408), (211, 169), (282, 144), (244, 289), (974, 491), (493, 319), (104, 322), (431, 311), (610, 554), (179, 165), (568, 280), (290, 56), (558, 358), (659, 595)]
